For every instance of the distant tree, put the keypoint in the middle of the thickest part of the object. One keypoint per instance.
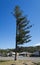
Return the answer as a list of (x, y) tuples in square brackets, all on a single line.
[(22, 28)]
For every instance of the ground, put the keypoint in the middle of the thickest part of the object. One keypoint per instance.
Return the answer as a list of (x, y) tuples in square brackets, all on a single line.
[(18, 62)]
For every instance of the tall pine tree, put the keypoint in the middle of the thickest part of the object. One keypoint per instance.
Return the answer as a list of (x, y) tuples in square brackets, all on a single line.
[(22, 28)]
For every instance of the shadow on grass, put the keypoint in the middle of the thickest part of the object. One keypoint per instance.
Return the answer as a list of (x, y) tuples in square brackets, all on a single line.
[(35, 63), (25, 64), (13, 64), (3, 60)]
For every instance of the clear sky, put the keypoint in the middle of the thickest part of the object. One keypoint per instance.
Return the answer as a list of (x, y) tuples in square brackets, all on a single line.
[(8, 22)]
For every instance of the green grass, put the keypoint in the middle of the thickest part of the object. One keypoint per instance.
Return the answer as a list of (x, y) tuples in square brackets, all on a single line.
[(37, 63), (18, 62), (3, 60), (6, 62)]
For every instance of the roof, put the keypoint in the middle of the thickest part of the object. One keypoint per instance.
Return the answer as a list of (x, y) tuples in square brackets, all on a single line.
[(25, 53)]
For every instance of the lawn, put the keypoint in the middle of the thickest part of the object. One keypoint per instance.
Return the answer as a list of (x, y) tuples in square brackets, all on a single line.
[(37, 63), (18, 62), (2, 62)]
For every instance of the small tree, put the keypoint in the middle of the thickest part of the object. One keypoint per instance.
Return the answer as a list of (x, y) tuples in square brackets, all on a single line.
[(22, 28)]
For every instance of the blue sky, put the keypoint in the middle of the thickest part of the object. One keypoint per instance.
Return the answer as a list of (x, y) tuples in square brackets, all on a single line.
[(31, 8)]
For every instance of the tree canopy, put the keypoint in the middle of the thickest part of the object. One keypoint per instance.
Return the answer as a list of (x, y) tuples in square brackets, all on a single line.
[(22, 27)]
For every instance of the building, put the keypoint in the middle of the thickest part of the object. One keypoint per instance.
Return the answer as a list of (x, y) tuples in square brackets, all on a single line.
[(37, 53), (11, 53), (25, 54), (0, 54)]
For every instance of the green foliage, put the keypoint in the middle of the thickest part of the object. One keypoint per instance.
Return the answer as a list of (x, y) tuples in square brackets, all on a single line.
[(28, 49), (21, 49), (22, 27)]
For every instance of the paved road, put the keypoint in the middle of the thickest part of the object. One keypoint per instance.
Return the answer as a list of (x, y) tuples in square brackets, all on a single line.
[(33, 59)]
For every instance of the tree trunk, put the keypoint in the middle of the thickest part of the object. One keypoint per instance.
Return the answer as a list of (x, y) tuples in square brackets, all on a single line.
[(16, 52), (16, 45)]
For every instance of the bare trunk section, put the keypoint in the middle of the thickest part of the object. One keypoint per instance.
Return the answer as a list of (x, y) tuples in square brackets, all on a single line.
[(16, 52)]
